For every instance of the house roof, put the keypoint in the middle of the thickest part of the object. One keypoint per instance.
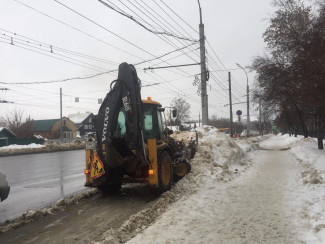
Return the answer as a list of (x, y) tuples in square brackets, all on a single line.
[(4, 130), (79, 117), (44, 125)]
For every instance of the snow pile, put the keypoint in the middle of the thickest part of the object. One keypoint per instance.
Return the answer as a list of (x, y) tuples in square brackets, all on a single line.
[(217, 160), (185, 136), (49, 146), (311, 199), (14, 146), (251, 143)]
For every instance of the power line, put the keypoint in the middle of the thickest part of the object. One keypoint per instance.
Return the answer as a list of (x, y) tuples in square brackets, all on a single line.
[(76, 29), (171, 66), (145, 27), (53, 47), (53, 54), (48, 56), (169, 17), (89, 76), (104, 28), (179, 17), (154, 20)]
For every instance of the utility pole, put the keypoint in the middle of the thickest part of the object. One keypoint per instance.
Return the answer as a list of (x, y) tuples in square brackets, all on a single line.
[(61, 129), (230, 103), (204, 96), (170, 118), (199, 119), (247, 91), (260, 115)]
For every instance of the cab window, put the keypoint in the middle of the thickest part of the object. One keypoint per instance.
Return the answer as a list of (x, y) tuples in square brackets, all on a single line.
[(121, 125), (160, 124), (148, 123)]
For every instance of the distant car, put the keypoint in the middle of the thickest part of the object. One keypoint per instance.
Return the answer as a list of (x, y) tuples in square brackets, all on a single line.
[(4, 187)]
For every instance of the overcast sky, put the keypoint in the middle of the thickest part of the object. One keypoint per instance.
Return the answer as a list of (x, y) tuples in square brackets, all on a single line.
[(88, 38)]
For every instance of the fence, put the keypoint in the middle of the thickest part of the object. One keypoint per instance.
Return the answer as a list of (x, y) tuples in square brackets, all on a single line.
[(5, 141)]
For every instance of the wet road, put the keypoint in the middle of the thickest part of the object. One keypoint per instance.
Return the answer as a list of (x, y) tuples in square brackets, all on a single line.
[(37, 180)]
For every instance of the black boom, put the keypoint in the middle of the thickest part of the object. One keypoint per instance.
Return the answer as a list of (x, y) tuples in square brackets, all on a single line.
[(124, 93)]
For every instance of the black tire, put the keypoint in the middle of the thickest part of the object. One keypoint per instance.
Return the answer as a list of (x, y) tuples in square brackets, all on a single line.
[(181, 169), (110, 188), (113, 181), (165, 172)]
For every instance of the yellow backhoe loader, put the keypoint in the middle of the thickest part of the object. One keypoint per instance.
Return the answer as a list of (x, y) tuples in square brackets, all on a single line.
[(131, 143)]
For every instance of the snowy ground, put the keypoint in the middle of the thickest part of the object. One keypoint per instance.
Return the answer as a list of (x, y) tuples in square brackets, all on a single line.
[(236, 194), (259, 190)]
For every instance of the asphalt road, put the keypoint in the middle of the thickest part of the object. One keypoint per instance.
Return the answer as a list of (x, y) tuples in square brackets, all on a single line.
[(38, 180)]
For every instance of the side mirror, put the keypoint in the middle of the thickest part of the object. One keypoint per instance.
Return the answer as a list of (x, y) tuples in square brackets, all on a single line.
[(174, 113)]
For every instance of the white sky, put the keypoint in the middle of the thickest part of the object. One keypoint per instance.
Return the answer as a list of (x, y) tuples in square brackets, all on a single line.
[(232, 27)]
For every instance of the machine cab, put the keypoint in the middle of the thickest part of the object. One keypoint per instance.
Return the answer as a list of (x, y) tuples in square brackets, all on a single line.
[(153, 127)]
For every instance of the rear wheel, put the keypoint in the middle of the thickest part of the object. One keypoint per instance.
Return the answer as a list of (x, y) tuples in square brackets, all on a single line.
[(165, 172), (113, 181), (110, 188)]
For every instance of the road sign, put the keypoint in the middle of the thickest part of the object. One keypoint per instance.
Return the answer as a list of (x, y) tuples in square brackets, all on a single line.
[(239, 112), (97, 167)]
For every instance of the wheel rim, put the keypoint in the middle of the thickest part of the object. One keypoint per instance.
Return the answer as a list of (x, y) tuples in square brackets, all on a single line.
[(166, 173)]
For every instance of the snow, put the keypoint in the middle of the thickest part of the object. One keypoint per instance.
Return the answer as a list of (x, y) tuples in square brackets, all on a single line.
[(216, 161), (78, 117), (234, 195), (14, 146), (245, 190)]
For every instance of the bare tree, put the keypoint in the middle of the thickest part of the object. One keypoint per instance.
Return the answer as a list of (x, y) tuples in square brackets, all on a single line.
[(183, 109), (15, 122), (3, 122), (290, 80)]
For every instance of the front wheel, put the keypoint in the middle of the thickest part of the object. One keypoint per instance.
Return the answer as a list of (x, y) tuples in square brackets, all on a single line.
[(165, 172), (181, 169)]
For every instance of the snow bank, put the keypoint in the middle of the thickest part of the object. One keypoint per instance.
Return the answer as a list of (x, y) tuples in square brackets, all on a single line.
[(175, 212), (14, 146), (49, 146), (251, 143), (311, 199)]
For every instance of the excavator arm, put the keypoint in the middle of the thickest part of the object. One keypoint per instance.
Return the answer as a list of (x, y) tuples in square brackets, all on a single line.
[(116, 150)]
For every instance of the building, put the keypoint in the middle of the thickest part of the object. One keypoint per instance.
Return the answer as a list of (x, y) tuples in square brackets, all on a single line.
[(50, 128), (84, 122), (6, 133)]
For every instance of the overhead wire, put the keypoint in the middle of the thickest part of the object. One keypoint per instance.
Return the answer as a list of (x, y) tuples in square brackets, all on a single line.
[(53, 54), (48, 56), (144, 26), (154, 19), (78, 30), (179, 17), (53, 47), (145, 21)]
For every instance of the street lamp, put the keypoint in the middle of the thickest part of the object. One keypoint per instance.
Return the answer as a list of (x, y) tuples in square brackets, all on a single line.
[(248, 119)]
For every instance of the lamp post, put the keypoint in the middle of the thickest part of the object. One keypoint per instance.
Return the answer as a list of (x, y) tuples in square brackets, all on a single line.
[(248, 119)]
